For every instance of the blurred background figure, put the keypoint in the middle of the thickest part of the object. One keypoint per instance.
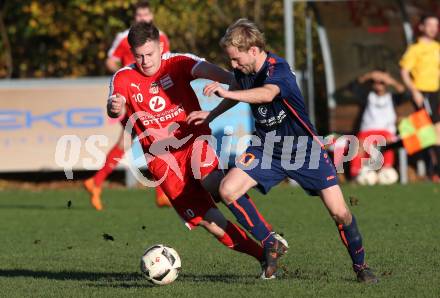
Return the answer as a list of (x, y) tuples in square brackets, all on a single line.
[(378, 114), (120, 55), (420, 73)]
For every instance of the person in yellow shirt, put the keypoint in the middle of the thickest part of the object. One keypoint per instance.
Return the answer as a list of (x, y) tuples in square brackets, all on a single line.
[(420, 71)]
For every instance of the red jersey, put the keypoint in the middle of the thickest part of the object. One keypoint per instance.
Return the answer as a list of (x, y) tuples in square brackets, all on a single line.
[(120, 48), (161, 100)]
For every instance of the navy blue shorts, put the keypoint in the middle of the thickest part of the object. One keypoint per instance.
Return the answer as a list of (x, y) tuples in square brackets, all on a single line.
[(313, 172)]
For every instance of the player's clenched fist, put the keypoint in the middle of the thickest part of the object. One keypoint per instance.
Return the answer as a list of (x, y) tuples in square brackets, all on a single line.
[(115, 105)]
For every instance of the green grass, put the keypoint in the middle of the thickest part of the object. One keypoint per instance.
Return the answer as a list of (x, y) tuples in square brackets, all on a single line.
[(48, 250)]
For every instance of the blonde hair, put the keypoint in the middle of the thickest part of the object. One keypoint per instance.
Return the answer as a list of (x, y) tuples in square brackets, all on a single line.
[(243, 35)]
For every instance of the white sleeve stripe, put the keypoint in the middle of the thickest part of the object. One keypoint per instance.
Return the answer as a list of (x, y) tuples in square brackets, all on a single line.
[(199, 60), (119, 38), (111, 86), (169, 55)]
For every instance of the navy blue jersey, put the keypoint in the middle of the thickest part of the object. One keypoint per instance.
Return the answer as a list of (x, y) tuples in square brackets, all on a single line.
[(286, 115)]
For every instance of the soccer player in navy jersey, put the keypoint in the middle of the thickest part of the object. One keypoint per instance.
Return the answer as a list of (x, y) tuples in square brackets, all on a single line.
[(285, 143)]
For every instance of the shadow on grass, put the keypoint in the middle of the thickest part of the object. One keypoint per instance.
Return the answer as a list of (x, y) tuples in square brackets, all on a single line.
[(95, 279), (124, 285), (71, 275), (115, 276), (184, 278), (135, 280), (218, 278), (122, 280)]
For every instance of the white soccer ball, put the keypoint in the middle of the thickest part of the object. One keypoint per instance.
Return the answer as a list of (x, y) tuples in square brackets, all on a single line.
[(388, 176), (367, 177), (160, 264)]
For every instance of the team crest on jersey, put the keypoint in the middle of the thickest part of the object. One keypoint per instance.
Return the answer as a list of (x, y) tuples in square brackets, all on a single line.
[(157, 104), (262, 110), (154, 88), (166, 82)]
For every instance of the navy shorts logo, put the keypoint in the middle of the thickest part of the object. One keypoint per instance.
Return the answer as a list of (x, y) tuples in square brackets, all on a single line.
[(246, 159)]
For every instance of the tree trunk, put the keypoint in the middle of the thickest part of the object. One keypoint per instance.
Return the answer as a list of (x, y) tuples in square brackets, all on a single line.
[(257, 13), (7, 46)]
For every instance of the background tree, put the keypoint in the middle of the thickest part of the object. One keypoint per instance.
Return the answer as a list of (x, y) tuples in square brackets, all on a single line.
[(70, 38)]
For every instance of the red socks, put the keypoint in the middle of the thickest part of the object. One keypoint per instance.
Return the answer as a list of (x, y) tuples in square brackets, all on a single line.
[(235, 238), (110, 164)]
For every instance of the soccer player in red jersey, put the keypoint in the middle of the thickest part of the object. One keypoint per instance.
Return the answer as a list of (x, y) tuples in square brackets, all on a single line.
[(121, 55), (157, 95)]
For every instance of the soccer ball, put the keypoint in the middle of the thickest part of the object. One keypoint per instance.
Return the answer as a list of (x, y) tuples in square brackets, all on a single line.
[(367, 177), (160, 264), (388, 176)]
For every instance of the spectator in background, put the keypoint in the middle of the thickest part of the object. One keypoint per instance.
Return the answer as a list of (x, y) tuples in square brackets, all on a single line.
[(421, 74), (120, 55), (378, 112)]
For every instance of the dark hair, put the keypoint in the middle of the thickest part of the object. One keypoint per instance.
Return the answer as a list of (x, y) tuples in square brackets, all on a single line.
[(142, 32), (426, 16), (141, 4)]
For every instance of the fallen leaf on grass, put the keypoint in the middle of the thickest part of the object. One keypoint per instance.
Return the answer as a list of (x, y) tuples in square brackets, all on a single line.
[(108, 237), (387, 273), (354, 201)]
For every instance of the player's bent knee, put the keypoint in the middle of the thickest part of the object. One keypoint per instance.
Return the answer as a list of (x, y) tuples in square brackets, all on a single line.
[(211, 183), (228, 191), (342, 216)]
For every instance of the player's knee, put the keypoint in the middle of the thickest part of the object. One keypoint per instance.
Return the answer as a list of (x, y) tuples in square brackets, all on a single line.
[(216, 225), (228, 191), (214, 216), (342, 216), (211, 183)]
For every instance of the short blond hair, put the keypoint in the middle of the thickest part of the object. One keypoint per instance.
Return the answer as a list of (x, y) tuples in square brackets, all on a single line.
[(243, 35)]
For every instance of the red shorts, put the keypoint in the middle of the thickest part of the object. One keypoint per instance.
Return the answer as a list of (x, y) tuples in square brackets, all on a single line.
[(181, 172)]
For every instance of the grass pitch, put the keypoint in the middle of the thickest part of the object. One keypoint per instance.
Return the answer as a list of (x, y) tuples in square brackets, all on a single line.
[(50, 250)]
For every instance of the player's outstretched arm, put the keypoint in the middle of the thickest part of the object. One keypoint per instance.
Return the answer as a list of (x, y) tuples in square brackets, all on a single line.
[(206, 70), (201, 117), (258, 95), (112, 64)]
